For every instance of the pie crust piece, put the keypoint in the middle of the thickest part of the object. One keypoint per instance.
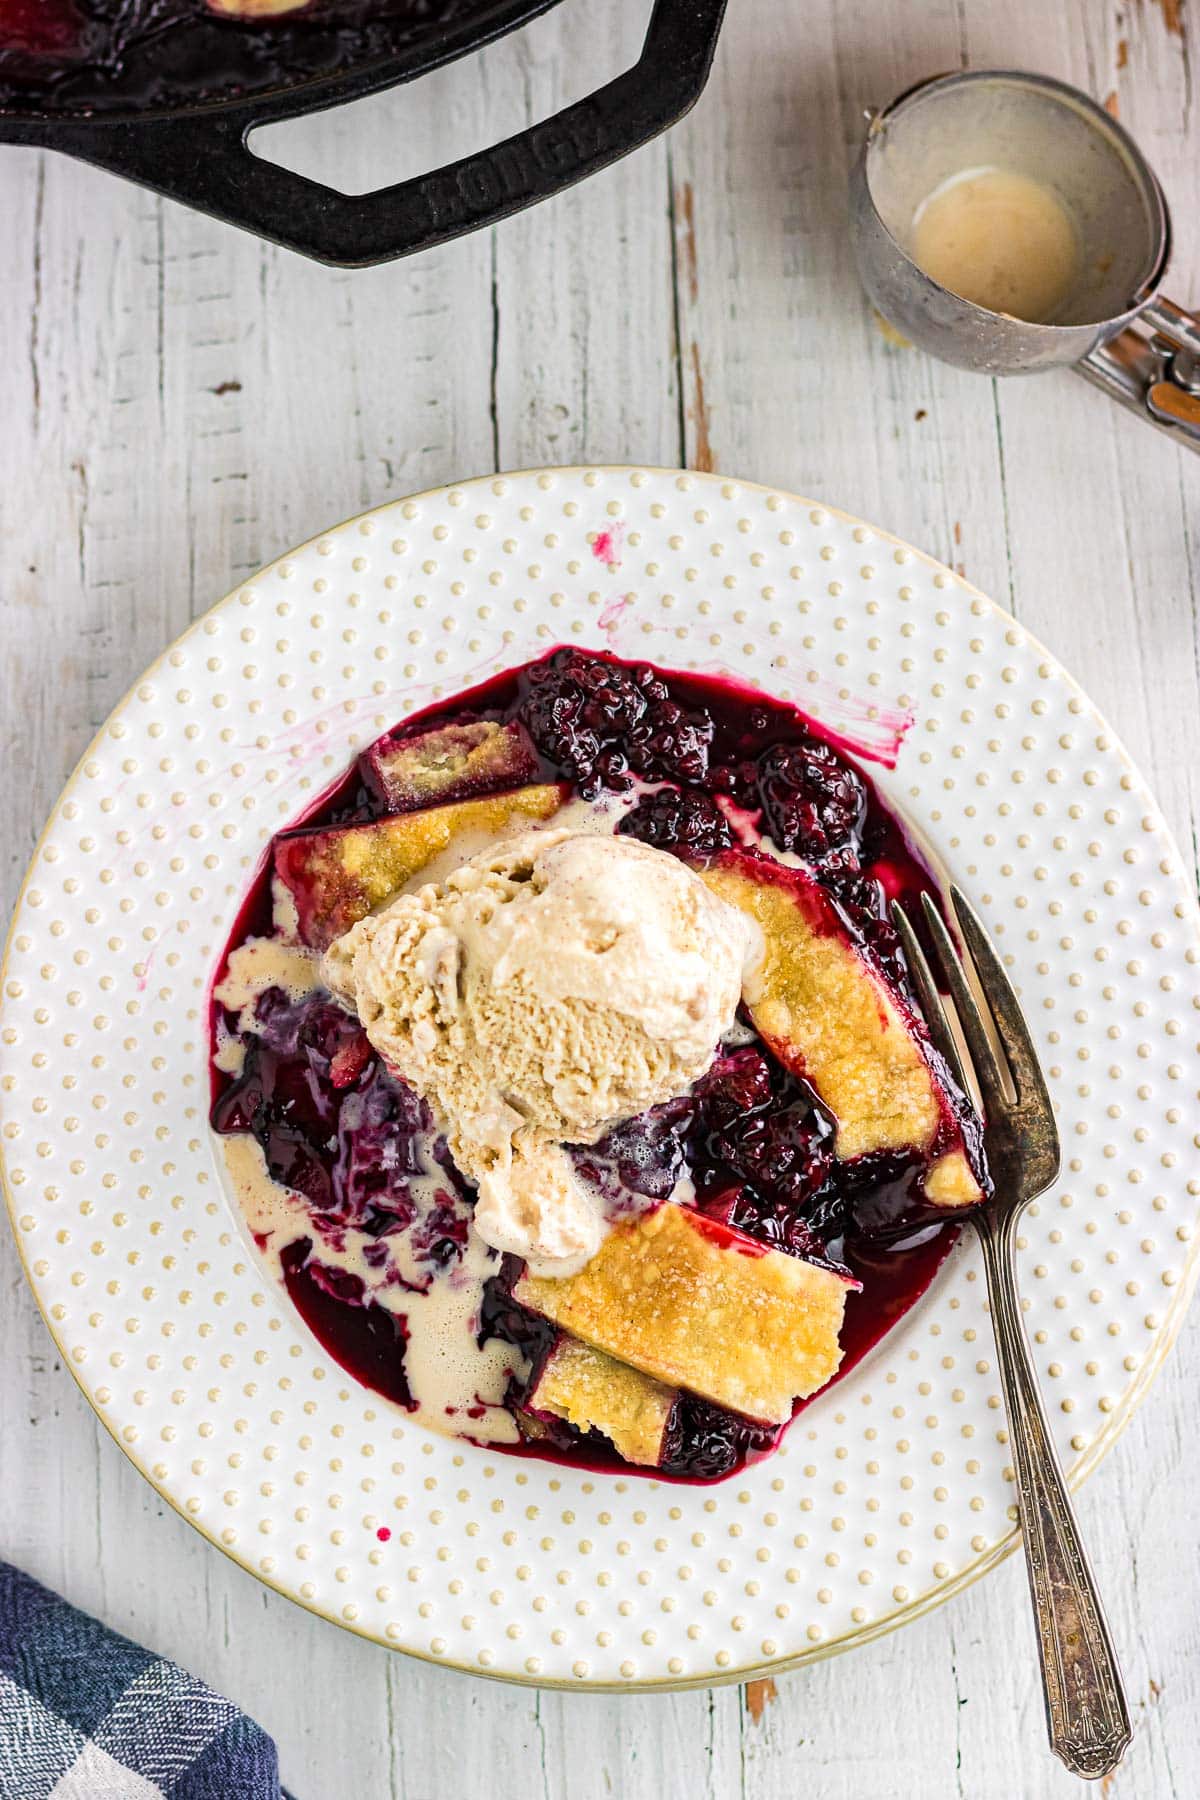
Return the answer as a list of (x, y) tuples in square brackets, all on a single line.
[(340, 874), (701, 1306), (450, 762), (594, 1392), (829, 1016)]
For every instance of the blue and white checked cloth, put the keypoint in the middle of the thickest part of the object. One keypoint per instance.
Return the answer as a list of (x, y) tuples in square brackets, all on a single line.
[(86, 1715)]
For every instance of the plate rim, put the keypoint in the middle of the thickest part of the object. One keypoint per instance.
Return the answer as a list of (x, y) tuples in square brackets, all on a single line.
[(930, 1598)]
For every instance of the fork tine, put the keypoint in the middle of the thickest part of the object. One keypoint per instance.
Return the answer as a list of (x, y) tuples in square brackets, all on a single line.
[(928, 998), (1022, 1058), (979, 1048)]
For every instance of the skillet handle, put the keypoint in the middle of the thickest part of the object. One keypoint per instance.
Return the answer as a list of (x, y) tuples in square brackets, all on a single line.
[(203, 158)]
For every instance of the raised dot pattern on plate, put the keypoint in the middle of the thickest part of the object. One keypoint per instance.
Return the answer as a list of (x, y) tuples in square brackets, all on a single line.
[(893, 1488)]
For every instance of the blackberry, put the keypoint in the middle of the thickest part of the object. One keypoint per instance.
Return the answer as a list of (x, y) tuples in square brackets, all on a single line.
[(864, 903), (671, 743), (812, 801), (705, 1442), (679, 819)]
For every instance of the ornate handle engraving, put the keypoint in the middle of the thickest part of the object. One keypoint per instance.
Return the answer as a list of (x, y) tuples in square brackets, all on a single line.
[(1086, 1711)]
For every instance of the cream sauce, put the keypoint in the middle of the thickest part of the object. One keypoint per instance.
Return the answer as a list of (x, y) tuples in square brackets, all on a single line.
[(457, 1386), (262, 963), (1000, 240), (285, 914)]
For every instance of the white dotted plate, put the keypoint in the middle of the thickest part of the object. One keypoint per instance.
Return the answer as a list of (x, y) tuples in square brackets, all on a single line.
[(894, 1488)]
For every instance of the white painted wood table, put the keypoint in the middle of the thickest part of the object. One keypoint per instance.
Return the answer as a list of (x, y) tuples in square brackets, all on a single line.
[(180, 403)]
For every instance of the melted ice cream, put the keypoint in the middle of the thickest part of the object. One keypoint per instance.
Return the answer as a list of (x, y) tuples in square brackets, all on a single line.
[(457, 1386)]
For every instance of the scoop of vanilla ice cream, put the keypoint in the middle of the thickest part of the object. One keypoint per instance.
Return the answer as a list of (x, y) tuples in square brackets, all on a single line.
[(545, 989)]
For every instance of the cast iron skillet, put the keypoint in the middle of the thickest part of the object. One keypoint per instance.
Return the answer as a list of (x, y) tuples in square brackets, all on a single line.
[(198, 153)]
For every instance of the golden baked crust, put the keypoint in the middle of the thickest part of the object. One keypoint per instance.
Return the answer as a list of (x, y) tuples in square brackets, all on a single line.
[(827, 1015), (594, 1392), (700, 1306), (451, 762), (337, 876), (951, 1181)]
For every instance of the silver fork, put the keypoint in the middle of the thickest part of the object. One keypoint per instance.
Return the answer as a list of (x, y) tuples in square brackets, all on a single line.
[(1087, 1714)]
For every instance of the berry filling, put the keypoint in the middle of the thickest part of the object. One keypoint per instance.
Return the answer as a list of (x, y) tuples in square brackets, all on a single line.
[(381, 1218)]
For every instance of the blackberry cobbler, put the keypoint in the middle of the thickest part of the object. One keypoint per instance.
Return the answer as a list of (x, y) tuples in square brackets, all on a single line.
[(569, 1074)]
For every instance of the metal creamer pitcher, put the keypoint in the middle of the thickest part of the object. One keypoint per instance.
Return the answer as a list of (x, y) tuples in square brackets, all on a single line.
[(1113, 325)]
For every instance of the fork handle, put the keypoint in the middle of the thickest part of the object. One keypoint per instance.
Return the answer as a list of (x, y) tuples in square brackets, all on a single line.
[(1087, 1714)]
